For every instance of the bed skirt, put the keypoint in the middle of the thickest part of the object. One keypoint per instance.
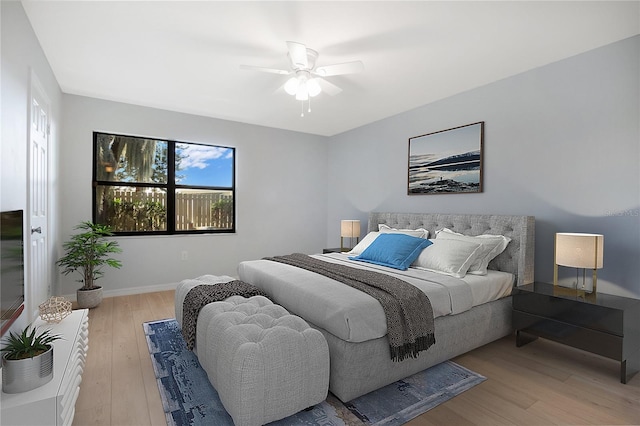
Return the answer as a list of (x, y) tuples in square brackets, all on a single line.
[(359, 368)]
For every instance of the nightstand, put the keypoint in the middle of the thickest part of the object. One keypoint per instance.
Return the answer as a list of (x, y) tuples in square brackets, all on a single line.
[(606, 325), (331, 250)]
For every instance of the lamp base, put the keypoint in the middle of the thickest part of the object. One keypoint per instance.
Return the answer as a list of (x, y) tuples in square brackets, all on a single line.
[(573, 293), (578, 292), (345, 249)]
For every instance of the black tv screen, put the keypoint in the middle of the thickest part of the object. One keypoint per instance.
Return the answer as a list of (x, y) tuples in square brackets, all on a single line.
[(11, 267)]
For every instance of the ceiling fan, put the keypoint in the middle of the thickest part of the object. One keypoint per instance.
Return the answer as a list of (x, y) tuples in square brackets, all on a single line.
[(306, 80)]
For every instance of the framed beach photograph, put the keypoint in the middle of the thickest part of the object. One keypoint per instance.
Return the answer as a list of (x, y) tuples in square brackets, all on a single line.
[(447, 162)]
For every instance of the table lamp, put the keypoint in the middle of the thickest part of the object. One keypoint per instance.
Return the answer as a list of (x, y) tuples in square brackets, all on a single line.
[(579, 251), (349, 229)]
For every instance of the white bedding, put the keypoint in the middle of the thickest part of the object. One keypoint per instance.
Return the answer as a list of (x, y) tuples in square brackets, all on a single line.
[(354, 316)]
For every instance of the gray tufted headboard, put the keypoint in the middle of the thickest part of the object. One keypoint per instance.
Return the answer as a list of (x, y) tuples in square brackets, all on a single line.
[(517, 258)]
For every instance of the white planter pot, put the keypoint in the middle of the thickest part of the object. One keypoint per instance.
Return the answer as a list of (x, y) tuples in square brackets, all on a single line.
[(89, 298), (25, 374)]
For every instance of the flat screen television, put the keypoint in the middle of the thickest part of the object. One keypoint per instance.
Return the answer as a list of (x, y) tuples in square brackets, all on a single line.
[(11, 267)]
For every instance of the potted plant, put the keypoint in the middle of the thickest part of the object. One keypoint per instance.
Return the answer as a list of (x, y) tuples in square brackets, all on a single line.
[(87, 252), (27, 362)]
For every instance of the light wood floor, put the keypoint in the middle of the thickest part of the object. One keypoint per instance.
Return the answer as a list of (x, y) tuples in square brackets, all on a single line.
[(539, 384)]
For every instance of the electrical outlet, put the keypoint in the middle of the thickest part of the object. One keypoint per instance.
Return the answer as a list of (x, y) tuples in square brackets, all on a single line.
[(184, 255)]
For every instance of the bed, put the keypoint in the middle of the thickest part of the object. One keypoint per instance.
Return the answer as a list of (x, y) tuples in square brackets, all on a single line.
[(359, 350)]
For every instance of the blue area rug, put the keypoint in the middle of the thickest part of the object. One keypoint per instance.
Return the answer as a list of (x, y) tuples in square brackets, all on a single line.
[(189, 399)]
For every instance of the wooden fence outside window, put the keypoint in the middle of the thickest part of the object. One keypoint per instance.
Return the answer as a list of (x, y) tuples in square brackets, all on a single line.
[(145, 210)]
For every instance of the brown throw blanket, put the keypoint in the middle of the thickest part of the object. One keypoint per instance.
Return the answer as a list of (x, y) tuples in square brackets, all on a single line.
[(201, 295), (408, 310)]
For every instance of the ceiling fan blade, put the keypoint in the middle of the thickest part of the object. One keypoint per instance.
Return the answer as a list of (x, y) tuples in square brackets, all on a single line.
[(297, 54), (270, 70), (339, 69), (328, 88)]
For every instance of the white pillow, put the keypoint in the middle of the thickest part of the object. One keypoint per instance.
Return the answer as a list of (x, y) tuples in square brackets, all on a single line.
[(420, 232), (449, 257), (364, 243), (492, 246)]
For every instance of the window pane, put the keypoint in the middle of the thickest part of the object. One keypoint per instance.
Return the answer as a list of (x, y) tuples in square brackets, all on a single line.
[(130, 159), (131, 209), (204, 165), (203, 210)]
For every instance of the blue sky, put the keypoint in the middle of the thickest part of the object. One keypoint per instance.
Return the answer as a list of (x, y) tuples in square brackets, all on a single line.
[(205, 165), (446, 143)]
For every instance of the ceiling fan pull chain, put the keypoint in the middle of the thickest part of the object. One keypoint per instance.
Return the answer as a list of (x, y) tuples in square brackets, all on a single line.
[(309, 110), (301, 108)]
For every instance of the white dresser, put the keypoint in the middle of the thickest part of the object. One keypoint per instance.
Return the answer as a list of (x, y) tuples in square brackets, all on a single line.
[(53, 403)]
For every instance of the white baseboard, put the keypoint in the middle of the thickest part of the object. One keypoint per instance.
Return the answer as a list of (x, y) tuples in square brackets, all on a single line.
[(129, 291)]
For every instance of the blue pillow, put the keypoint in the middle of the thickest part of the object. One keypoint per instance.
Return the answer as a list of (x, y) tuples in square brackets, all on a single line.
[(393, 250)]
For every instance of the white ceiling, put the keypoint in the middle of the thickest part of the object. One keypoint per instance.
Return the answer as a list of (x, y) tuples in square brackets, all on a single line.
[(186, 56)]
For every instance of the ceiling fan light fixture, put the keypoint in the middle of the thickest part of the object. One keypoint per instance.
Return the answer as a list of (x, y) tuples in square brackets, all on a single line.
[(302, 94), (291, 86)]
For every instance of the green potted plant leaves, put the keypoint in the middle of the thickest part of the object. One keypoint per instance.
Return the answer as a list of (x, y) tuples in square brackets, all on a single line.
[(87, 252), (27, 360)]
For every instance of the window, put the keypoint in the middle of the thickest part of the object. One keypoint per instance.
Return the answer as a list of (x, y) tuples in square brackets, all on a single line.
[(151, 186)]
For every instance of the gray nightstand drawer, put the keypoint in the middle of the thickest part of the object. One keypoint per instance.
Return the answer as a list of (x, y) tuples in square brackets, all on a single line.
[(605, 344), (574, 312)]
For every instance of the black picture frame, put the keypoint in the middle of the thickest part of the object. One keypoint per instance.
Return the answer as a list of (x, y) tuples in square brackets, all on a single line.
[(447, 161)]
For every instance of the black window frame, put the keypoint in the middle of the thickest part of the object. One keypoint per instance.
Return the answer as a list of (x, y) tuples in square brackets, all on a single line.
[(170, 186)]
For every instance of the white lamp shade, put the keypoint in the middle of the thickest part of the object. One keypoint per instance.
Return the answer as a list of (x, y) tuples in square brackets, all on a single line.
[(291, 86), (350, 228), (579, 250)]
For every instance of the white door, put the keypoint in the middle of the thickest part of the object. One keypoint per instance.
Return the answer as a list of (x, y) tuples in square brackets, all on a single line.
[(37, 282)]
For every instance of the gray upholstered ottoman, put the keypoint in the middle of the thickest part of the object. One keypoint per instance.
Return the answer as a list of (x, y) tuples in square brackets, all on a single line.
[(265, 363)]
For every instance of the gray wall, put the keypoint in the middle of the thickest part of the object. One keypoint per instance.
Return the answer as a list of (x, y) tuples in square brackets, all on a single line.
[(22, 56), (561, 143), (281, 194)]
